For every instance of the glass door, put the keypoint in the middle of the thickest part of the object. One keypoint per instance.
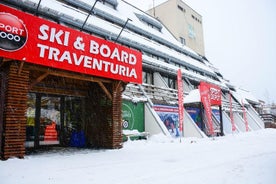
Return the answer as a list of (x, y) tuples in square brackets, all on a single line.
[(43, 120), (49, 129), (53, 120)]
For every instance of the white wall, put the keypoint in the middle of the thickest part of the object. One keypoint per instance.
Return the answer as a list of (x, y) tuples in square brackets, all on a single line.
[(256, 116), (240, 122), (227, 125), (253, 122)]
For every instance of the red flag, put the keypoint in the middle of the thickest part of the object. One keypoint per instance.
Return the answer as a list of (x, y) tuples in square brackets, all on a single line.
[(180, 100), (244, 117), (231, 113), (206, 100)]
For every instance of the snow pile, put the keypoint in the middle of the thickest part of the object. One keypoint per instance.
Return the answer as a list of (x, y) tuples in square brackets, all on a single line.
[(239, 158)]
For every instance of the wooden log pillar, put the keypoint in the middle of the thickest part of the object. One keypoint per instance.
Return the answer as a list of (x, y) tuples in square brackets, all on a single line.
[(117, 114), (14, 91), (104, 116)]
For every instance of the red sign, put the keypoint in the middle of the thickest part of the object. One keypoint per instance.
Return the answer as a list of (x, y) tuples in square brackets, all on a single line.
[(206, 100), (210, 95), (180, 100), (31, 39)]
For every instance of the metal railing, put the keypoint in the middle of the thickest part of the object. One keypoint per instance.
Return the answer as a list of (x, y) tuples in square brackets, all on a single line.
[(269, 118), (153, 92)]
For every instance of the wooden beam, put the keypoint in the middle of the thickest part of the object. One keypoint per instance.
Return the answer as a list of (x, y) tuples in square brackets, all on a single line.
[(7, 59), (105, 90), (68, 74), (3, 60), (39, 79), (20, 67)]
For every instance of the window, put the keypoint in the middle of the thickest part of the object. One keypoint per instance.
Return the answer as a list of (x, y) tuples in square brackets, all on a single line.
[(148, 77), (196, 19), (180, 8), (182, 40), (191, 31), (51, 119), (170, 81), (46, 131)]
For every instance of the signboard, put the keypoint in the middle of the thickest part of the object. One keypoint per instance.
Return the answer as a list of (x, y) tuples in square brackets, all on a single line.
[(196, 116), (28, 38), (133, 116), (180, 100), (169, 116), (214, 92), (210, 95), (216, 114)]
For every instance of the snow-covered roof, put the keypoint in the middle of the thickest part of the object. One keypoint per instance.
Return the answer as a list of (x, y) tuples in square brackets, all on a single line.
[(108, 22), (68, 14), (192, 97), (187, 73), (244, 96)]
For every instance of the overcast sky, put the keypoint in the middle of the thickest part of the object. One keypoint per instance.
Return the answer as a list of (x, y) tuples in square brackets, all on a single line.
[(240, 38)]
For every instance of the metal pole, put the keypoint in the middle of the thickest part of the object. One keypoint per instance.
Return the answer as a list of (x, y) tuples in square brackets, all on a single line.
[(221, 121), (88, 15), (122, 29), (36, 11)]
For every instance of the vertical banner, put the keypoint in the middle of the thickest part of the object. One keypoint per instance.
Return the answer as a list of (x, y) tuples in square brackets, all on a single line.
[(244, 117), (210, 95), (180, 100), (206, 100), (231, 113)]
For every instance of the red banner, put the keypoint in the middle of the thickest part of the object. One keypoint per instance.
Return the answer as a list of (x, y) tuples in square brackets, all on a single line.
[(28, 38), (180, 100), (231, 113), (244, 117), (206, 100), (214, 92), (210, 95)]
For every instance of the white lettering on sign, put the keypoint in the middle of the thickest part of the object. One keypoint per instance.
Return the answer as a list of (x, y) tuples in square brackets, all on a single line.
[(59, 36), (107, 52), (84, 61), (78, 44), (11, 29), (215, 94)]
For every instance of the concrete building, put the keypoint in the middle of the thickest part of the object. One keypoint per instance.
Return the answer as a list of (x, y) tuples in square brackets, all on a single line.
[(184, 23)]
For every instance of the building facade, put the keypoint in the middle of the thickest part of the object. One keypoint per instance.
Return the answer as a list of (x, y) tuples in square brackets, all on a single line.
[(100, 70), (184, 23)]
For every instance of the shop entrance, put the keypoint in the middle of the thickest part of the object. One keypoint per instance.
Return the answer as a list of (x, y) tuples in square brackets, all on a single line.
[(41, 110), (53, 120)]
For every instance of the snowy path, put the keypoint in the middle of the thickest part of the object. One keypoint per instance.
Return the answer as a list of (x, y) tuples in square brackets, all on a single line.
[(244, 158)]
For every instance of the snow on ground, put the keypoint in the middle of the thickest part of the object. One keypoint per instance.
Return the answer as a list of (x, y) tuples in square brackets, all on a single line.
[(239, 158)]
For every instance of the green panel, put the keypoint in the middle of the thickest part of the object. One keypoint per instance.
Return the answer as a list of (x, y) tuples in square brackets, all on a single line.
[(133, 116)]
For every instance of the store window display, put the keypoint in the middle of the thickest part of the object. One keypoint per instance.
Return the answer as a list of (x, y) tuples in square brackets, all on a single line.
[(51, 120)]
